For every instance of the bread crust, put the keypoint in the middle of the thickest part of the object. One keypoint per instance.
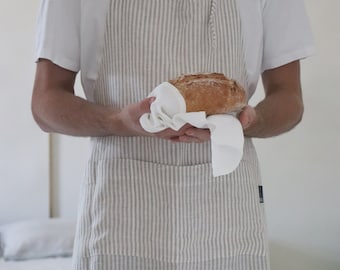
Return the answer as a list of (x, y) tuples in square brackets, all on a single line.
[(213, 93)]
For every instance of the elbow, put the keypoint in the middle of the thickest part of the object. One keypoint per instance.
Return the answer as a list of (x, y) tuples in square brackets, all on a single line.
[(298, 115), (38, 114), (39, 120), (300, 112)]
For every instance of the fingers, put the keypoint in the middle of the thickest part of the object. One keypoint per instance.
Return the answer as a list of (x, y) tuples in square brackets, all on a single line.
[(196, 135), (171, 134), (187, 134)]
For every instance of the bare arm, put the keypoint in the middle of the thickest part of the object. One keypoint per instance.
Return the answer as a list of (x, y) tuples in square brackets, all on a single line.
[(282, 107), (56, 108), (278, 112)]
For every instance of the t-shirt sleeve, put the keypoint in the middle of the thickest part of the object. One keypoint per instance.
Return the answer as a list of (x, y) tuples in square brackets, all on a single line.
[(287, 34), (58, 33)]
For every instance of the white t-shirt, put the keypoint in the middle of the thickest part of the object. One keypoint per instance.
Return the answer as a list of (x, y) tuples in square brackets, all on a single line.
[(71, 34)]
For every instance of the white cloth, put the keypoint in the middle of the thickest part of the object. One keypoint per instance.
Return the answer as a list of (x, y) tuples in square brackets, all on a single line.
[(271, 39), (169, 111)]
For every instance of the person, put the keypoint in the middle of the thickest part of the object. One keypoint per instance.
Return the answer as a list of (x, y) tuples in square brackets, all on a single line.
[(149, 201)]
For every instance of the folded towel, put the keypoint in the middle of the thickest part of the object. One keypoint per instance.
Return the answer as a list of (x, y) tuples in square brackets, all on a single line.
[(169, 111)]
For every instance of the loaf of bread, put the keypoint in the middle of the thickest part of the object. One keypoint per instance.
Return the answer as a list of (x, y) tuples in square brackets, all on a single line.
[(210, 92)]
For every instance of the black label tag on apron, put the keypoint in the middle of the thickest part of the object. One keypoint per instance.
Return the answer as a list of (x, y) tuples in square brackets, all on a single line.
[(261, 194)]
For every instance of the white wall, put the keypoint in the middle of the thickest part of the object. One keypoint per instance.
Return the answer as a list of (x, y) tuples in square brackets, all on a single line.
[(23, 148), (301, 170)]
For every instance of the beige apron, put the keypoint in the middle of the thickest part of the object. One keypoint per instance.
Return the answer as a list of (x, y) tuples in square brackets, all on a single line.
[(147, 203)]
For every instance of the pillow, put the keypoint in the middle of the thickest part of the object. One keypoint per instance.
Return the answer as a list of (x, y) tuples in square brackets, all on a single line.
[(37, 239)]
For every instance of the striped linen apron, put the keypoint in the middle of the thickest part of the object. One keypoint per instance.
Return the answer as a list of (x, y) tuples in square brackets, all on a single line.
[(147, 203)]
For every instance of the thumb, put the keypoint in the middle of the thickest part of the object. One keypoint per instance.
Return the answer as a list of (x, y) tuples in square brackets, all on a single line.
[(247, 116), (145, 104)]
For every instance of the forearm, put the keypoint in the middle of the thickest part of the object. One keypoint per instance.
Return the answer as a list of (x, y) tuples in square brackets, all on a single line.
[(56, 109), (276, 114), (282, 107), (62, 112)]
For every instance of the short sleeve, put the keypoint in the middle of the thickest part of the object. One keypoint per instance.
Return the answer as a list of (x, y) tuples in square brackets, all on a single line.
[(287, 34), (58, 33)]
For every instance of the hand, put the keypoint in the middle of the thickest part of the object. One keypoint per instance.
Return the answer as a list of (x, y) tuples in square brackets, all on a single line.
[(129, 118), (247, 117), (130, 125)]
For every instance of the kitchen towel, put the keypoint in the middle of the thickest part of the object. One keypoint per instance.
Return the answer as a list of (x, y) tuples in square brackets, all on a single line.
[(169, 111)]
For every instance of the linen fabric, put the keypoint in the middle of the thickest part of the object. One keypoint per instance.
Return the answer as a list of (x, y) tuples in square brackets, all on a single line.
[(147, 203)]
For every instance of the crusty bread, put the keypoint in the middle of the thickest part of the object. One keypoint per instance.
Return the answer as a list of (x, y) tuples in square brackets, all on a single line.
[(210, 92)]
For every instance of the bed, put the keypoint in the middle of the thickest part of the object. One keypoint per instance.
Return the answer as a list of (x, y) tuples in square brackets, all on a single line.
[(44, 244)]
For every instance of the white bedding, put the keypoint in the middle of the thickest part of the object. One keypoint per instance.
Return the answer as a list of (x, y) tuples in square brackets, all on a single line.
[(41, 264)]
